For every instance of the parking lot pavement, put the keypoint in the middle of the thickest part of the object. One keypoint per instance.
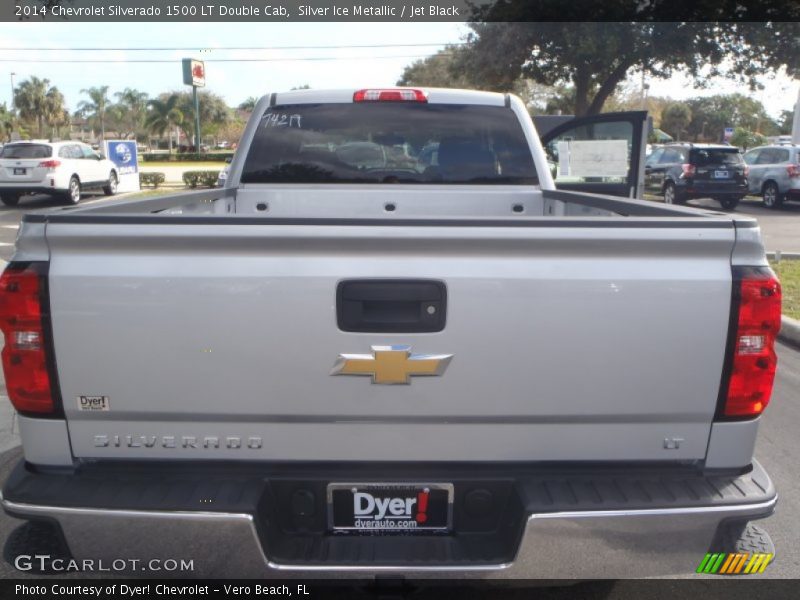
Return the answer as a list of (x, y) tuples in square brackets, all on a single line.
[(780, 229), (10, 216)]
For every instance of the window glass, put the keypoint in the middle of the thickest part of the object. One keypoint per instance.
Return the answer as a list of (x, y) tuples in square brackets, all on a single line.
[(781, 155), (767, 157), (389, 142), (26, 151), (751, 157), (702, 157)]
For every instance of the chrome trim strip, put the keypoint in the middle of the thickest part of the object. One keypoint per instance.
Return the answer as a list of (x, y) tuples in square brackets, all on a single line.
[(643, 512), (118, 512)]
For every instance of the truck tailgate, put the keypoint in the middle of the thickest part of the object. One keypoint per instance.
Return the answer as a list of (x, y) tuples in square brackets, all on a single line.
[(217, 341)]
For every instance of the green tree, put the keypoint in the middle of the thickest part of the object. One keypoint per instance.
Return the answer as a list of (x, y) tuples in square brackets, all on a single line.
[(744, 138), (439, 70), (6, 123), (94, 109), (248, 105), (595, 57), (675, 118), (38, 102), (213, 113), (130, 112), (712, 114), (164, 115), (785, 122)]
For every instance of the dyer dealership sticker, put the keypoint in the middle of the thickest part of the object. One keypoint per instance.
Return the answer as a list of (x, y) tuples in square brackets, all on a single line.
[(93, 403)]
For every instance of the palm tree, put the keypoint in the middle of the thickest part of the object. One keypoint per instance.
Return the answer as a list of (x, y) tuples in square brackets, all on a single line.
[(55, 113), (36, 100), (95, 107), (163, 115), (131, 110)]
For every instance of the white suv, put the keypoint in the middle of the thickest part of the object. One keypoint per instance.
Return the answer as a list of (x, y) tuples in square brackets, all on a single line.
[(63, 169)]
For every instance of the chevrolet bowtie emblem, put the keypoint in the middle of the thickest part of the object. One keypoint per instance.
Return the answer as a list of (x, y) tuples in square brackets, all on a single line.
[(391, 364)]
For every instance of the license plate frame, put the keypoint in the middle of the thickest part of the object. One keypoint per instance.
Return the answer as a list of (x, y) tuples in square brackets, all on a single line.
[(722, 174), (20, 171), (398, 517)]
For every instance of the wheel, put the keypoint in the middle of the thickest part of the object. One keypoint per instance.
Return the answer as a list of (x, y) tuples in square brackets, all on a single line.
[(770, 196), (73, 194), (111, 188), (729, 203), (671, 194), (10, 199)]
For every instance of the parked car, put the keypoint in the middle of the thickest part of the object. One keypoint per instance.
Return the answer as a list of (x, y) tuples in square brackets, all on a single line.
[(683, 171), (63, 169), (774, 173)]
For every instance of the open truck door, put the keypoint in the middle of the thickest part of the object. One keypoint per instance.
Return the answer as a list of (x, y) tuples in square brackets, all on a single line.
[(602, 154)]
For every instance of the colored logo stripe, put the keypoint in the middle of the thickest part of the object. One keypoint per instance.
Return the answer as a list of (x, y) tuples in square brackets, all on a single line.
[(724, 563)]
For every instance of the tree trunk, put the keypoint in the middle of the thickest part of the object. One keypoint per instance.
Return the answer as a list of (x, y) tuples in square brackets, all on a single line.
[(581, 91), (607, 88)]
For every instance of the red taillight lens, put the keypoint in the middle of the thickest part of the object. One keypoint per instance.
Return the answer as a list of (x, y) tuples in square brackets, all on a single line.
[(754, 359), (688, 170), (793, 170), (25, 353), (392, 95), (746, 171), (50, 164)]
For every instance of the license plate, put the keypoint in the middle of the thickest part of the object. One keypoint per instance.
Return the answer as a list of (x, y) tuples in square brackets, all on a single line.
[(18, 171), (721, 174), (390, 507)]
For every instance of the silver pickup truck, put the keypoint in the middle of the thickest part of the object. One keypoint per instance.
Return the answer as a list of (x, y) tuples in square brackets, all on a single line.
[(391, 343)]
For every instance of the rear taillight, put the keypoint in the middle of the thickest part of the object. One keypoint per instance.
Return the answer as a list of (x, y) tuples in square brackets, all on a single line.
[(390, 95), (50, 164), (746, 171), (688, 170), (757, 302), (793, 170), (25, 355)]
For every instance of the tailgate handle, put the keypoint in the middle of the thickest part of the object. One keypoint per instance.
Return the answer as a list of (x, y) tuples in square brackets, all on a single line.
[(391, 305)]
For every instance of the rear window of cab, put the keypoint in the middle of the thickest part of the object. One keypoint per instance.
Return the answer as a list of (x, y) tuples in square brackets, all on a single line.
[(389, 142), (715, 156)]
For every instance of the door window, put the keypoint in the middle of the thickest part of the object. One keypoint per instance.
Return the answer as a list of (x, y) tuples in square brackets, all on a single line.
[(87, 153), (751, 157), (594, 152)]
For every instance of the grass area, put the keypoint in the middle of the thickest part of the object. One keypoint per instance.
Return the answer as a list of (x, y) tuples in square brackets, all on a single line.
[(188, 165), (789, 273)]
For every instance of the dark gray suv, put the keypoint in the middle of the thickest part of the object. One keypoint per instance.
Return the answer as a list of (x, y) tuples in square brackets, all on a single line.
[(684, 171)]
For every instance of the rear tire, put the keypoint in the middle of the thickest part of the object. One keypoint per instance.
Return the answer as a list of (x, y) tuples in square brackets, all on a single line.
[(729, 203), (671, 194), (111, 188), (73, 195), (10, 199), (770, 196)]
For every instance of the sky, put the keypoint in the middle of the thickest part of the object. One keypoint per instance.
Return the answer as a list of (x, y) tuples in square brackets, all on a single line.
[(352, 67)]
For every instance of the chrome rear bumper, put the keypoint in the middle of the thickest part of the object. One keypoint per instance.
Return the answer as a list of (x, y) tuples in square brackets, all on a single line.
[(571, 545)]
